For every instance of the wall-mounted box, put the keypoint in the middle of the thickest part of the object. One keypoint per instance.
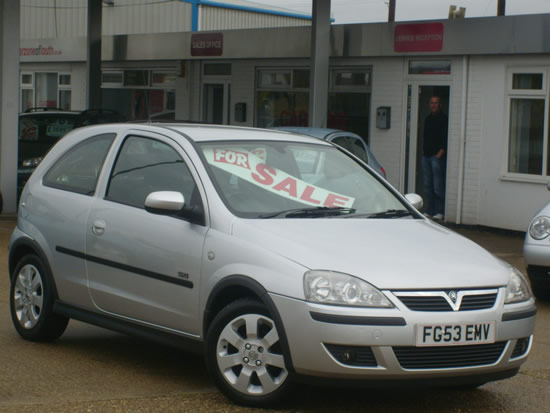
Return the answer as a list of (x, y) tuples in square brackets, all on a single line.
[(383, 117)]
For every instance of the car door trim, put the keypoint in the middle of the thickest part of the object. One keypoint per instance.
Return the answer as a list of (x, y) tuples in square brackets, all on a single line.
[(124, 267)]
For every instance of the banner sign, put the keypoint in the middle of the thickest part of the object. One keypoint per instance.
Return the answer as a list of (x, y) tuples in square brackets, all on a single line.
[(420, 37), (207, 44), (253, 169)]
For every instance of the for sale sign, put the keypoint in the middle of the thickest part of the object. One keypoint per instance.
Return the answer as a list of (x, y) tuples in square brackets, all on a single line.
[(251, 166)]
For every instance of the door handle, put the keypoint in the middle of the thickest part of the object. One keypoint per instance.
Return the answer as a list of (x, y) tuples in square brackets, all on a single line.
[(98, 227)]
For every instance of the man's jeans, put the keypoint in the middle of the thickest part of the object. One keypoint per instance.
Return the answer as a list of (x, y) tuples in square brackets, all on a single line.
[(434, 184)]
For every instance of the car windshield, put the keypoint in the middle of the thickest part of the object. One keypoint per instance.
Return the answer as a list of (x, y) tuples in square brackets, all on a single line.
[(39, 132), (264, 179)]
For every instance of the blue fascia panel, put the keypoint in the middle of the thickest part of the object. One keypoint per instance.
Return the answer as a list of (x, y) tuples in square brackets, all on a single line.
[(221, 5)]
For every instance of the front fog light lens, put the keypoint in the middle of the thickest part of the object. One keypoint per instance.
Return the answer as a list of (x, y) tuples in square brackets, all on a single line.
[(517, 289), (329, 287), (540, 228)]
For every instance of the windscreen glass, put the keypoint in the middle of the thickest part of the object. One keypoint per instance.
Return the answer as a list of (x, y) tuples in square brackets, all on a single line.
[(287, 179)]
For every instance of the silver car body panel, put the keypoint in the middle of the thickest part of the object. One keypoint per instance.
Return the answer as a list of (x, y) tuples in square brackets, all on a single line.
[(537, 252), (393, 255)]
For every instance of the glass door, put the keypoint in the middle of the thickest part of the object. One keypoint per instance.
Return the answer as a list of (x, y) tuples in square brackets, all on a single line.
[(418, 109), (215, 103)]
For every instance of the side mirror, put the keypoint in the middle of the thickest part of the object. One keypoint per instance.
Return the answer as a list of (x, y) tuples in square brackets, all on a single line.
[(548, 186), (415, 200), (164, 202)]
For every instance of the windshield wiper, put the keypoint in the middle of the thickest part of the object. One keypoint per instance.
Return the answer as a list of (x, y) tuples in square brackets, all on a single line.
[(310, 212), (390, 213)]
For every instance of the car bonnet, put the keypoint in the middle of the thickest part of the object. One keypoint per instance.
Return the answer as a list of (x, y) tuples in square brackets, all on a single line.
[(388, 253)]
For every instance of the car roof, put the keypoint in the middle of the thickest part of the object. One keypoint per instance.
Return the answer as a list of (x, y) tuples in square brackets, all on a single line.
[(315, 132), (207, 132), (50, 113), (204, 133)]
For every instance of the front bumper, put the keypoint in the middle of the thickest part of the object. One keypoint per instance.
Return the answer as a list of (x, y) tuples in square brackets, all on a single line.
[(362, 344)]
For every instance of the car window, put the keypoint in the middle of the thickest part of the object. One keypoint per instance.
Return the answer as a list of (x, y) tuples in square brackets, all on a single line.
[(259, 178), (39, 132), (147, 165), (354, 145), (78, 170)]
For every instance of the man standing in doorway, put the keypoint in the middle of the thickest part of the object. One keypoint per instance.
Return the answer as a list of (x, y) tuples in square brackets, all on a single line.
[(434, 159)]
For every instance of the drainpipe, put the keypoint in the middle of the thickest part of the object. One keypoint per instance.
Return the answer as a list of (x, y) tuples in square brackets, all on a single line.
[(501, 7), (391, 11), (462, 151)]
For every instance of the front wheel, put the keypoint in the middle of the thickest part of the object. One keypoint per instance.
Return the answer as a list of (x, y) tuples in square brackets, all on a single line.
[(244, 354), (31, 302)]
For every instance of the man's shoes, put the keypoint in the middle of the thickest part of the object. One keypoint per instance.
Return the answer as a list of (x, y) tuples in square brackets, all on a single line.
[(438, 217)]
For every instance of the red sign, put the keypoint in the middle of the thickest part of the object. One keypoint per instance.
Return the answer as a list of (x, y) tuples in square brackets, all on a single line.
[(207, 44), (421, 37)]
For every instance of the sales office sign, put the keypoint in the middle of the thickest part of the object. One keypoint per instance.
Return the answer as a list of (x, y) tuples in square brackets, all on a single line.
[(207, 44)]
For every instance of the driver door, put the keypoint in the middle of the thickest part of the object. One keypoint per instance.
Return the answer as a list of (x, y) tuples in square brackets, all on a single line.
[(141, 265)]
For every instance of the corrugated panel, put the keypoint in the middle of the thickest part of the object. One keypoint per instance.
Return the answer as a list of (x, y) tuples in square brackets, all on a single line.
[(213, 18), (145, 16), (52, 18), (42, 19)]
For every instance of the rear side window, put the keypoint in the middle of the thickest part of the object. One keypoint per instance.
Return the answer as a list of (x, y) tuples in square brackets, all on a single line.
[(353, 145), (147, 165), (78, 170)]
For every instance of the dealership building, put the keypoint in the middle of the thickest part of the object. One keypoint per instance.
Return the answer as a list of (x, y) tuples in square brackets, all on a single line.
[(490, 73)]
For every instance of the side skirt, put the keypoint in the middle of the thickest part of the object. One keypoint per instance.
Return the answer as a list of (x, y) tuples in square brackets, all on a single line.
[(127, 327)]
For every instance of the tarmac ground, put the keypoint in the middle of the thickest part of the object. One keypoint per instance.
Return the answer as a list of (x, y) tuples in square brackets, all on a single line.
[(90, 369)]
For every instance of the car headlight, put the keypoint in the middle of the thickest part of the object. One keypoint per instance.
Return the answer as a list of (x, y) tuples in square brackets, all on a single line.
[(540, 227), (329, 287), (32, 162), (517, 289)]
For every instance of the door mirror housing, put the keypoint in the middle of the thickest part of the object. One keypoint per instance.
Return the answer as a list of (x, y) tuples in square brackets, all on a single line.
[(164, 202), (415, 200)]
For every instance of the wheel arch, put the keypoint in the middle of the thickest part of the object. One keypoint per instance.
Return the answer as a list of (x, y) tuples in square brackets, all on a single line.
[(236, 287), (26, 246)]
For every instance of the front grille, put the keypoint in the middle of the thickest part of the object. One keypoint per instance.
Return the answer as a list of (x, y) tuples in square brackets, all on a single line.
[(360, 356), (448, 357), (426, 303), (435, 302), (521, 347), (477, 302)]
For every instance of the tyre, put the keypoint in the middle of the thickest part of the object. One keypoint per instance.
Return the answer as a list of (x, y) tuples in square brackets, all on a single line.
[(31, 302), (540, 292), (244, 355)]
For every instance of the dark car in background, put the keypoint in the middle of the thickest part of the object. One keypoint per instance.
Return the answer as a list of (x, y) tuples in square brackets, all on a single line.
[(41, 128)]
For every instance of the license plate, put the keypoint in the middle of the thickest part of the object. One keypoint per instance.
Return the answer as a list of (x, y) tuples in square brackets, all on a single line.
[(455, 334)]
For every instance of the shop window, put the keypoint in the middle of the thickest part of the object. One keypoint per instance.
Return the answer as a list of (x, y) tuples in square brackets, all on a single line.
[(136, 78), (526, 136), (300, 80), (112, 78), (217, 69), (277, 79), (351, 78), (527, 81), (528, 118), (429, 67), (27, 99), (64, 80), (64, 99), (164, 79), (46, 90), (282, 109), (26, 79)]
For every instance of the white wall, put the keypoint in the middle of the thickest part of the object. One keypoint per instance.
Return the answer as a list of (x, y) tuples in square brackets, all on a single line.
[(503, 201)]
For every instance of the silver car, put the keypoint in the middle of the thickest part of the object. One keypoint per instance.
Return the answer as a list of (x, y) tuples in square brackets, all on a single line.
[(278, 256), (536, 252), (348, 140)]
